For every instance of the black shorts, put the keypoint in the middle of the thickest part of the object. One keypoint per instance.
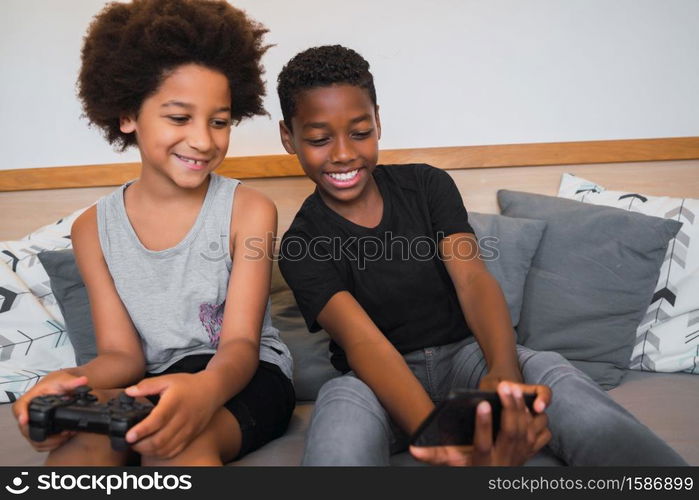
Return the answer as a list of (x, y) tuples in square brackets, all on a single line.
[(263, 409)]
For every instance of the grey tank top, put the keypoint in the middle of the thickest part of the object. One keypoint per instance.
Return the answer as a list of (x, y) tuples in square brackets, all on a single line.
[(175, 297)]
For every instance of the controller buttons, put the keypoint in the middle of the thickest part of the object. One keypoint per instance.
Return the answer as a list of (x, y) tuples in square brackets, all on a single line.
[(125, 399)]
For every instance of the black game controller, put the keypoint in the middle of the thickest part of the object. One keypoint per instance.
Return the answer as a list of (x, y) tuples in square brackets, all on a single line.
[(80, 411)]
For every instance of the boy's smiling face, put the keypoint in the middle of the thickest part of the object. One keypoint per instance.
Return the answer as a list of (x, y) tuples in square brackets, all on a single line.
[(335, 135), (183, 129)]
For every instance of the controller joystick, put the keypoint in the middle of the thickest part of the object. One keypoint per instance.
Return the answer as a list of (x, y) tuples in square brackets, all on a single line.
[(125, 399), (82, 391), (83, 396)]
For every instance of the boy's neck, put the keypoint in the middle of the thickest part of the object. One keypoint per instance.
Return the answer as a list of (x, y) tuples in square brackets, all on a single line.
[(160, 190), (162, 215), (365, 210)]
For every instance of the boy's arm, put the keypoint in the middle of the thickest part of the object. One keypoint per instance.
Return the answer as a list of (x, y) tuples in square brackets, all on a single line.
[(120, 360), (483, 304), (254, 226), (485, 309), (376, 361)]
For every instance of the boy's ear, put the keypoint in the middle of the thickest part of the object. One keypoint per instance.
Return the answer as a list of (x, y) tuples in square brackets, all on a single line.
[(127, 124), (378, 122), (287, 138)]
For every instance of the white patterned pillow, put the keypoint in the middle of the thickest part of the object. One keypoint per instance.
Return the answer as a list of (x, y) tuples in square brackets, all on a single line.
[(33, 341), (667, 340), (21, 257)]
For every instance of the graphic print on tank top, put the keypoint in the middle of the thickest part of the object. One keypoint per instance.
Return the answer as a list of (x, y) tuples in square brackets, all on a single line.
[(211, 317)]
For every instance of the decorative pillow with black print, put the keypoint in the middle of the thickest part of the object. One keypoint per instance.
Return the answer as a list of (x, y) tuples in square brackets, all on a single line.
[(33, 338), (667, 340)]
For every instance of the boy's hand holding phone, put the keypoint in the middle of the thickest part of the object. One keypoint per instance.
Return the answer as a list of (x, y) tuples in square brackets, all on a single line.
[(539, 426), (492, 379), (521, 434)]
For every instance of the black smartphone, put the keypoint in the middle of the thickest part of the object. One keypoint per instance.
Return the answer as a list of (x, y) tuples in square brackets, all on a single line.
[(453, 420)]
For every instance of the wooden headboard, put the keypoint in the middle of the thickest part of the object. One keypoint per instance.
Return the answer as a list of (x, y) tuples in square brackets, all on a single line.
[(652, 166)]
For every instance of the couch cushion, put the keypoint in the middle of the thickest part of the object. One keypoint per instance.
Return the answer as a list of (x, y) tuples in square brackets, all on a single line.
[(668, 336), (15, 450), (668, 403), (591, 280)]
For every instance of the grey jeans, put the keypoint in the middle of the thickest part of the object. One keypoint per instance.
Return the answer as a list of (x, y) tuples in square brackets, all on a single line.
[(350, 427)]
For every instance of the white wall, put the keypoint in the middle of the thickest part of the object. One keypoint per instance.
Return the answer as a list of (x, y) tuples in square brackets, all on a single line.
[(448, 72)]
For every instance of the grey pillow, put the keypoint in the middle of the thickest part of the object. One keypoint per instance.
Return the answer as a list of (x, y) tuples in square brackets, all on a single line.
[(70, 292), (591, 280), (508, 245)]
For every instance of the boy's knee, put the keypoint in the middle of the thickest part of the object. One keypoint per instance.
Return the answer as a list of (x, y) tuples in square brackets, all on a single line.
[(347, 390), (547, 368), (92, 444), (348, 387), (348, 426), (86, 449), (550, 358)]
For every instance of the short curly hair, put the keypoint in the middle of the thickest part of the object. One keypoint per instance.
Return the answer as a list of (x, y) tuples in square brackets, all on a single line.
[(321, 67), (130, 48)]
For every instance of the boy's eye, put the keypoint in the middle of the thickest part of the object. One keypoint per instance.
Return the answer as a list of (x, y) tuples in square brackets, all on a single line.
[(178, 119), (363, 134), (320, 141), (220, 123)]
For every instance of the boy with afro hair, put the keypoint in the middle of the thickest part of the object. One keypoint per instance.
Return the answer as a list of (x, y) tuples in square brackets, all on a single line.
[(180, 305)]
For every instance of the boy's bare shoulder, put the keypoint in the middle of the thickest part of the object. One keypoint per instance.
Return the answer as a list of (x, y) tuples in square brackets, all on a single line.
[(249, 199), (84, 229), (85, 225)]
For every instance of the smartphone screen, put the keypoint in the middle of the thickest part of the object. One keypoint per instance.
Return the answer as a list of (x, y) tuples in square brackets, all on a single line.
[(453, 420)]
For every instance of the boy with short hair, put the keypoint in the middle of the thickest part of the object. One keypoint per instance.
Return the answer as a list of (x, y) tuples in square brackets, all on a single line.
[(406, 330)]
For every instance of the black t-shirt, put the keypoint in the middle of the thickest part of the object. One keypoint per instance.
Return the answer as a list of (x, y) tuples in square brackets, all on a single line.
[(393, 270)]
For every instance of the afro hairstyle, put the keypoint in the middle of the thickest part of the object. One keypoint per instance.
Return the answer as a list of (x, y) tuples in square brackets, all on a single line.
[(321, 67), (131, 47)]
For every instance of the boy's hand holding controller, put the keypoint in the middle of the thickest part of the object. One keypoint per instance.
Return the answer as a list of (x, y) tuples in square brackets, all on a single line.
[(180, 415), (58, 382), (521, 434)]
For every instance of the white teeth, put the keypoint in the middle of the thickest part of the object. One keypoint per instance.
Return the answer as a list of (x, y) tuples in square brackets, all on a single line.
[(344, 177), (192, 161)]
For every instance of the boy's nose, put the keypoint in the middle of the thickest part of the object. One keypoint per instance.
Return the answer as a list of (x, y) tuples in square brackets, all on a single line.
[(200, 138), (342, 152)]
